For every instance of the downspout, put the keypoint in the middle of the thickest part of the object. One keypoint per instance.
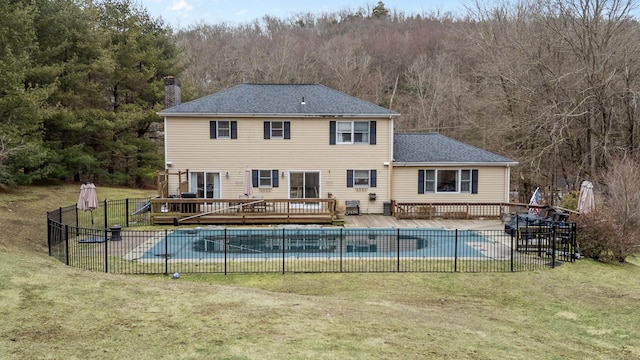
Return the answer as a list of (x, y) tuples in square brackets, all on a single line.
[(166, 153), (390, 159), (508, 180), (506, 210)]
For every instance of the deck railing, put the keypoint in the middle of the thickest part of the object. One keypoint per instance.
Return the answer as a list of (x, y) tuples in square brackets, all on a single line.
[(241, 211), (431, 210)]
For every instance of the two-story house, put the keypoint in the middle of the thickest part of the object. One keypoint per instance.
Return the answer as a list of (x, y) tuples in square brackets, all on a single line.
[(310, 141)]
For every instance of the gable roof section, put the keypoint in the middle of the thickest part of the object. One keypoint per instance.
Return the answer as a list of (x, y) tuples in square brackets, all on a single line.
[(278, 99), (412, 149)]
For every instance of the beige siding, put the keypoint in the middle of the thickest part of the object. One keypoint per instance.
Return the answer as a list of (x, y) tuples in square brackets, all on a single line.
[(189, 147), (492, 186)]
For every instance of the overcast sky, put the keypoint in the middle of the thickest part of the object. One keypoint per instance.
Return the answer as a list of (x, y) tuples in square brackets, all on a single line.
[(183, 13)]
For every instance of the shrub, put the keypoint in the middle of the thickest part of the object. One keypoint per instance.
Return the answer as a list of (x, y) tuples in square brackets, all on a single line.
[(570, 200), (602, 236)]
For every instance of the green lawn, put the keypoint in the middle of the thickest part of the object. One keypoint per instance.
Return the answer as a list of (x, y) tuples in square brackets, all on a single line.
[(584, 310)]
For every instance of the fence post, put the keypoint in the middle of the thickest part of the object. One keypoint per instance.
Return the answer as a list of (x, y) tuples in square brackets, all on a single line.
[(574, 242), (49, 233), (398, 240), (166, 252), (455, 252), (106, 251), (553, 246), (512, 249), (284, 242), (66, 244), (126, 211), (341, 249), (106, 223), (77, 221), (225, 251)]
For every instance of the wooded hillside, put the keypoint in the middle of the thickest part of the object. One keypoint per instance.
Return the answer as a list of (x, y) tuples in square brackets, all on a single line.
[(552, 84)]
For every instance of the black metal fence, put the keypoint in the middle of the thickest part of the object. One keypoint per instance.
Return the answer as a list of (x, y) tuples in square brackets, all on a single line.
[(114, 246), (125, 213)]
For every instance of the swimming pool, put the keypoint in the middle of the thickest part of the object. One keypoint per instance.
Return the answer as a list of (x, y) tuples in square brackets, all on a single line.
[(256, 243)]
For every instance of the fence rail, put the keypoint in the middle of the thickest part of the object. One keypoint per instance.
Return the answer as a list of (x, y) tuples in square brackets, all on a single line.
[(76, 239)]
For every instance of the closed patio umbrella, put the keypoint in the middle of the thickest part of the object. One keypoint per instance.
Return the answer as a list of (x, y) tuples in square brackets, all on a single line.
[(88, 201), (586, 202), (248, 184)]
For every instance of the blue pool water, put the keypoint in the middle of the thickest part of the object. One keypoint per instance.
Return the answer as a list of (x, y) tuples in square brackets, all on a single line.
[(316, 243)]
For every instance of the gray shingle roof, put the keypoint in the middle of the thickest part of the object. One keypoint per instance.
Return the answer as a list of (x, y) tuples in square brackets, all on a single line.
[(436, 148), (281, 99)]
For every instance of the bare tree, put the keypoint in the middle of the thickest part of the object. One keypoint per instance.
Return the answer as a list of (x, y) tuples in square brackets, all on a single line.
[(551, 76), (435, 87), (601, 36), (621, 180)]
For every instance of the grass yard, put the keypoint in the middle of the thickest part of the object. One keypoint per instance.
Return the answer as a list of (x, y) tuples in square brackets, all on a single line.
[(584, 310)]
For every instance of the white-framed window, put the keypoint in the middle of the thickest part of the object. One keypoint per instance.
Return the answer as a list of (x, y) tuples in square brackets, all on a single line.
[(465, 181), (361, 178), (277, 130), (223, 129), (264, 178), (352, 132), (447, 181), (430, 181)]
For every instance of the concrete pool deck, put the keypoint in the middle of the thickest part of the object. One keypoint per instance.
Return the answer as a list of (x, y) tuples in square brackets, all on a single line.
[(141, 246)]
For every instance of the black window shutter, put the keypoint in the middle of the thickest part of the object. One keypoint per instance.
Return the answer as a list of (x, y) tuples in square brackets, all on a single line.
[(274, 178), (254, 178), (349, 178), (474, 181), (332, 133), (234, 129), (213, 127), (372, 132), (420, 181), (287, 130), (373, 181), (267, 130)]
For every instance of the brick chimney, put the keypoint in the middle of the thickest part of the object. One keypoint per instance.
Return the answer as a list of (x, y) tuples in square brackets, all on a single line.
[(171, 92)]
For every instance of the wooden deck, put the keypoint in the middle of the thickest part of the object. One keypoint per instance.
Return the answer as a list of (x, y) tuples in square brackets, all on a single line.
[(242, 211), (304, 211)]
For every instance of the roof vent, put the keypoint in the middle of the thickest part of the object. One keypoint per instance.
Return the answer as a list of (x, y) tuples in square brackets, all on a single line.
[(302, 102)]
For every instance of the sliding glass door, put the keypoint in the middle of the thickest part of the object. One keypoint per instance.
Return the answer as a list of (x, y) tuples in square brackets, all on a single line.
[(205, 184), (304, 185)]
